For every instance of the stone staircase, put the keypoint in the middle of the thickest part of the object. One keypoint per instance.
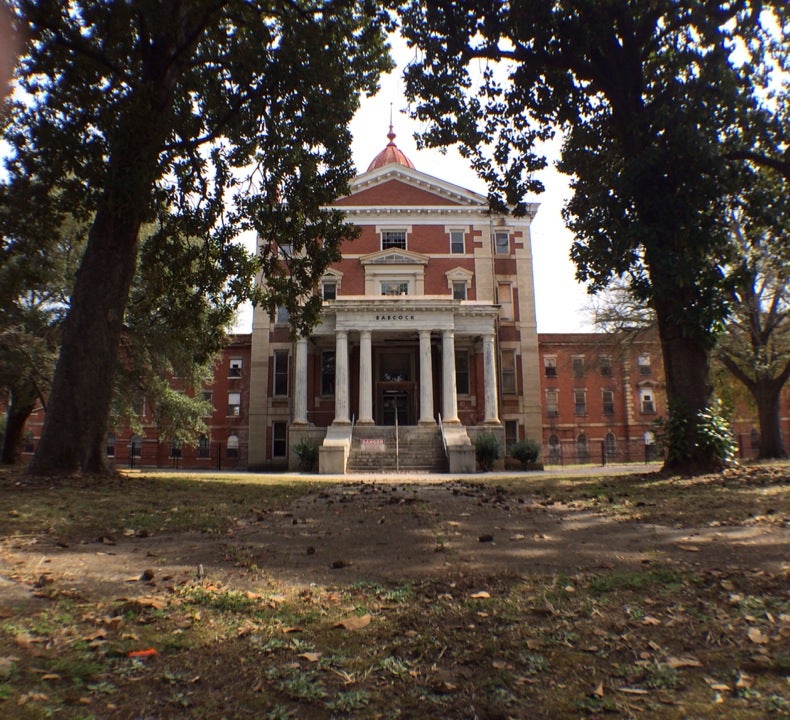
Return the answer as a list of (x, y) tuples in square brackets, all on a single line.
[(373, 450)]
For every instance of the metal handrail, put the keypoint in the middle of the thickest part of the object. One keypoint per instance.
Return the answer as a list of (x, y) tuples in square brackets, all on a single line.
[(441, 430), (397, 442)]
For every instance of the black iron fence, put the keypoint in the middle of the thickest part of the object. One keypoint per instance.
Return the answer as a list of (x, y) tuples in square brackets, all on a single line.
[(571, 452)]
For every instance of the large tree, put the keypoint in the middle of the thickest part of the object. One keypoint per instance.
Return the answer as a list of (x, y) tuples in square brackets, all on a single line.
[(755, 346), (230, 114), (644, 93)]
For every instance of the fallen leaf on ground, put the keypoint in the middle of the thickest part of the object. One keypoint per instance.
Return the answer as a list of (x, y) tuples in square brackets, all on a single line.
[(757, 636), (482, 595), (683, 662), (354, 623), (311, 656), (598, 691)]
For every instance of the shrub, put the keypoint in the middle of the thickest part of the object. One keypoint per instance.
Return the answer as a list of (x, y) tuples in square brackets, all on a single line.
[(307, 452), (525, 451), (487, 450)]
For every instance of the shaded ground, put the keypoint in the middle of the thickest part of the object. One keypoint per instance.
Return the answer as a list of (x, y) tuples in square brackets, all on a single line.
[(508, 597)]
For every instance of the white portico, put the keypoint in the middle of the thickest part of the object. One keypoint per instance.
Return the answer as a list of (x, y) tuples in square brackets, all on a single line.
[(387, 334)]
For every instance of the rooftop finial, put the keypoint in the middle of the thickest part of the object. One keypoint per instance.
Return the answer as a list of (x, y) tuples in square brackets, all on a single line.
[(391, 133)]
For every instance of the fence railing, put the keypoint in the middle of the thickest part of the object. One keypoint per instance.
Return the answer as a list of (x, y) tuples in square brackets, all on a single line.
[(570, 452)]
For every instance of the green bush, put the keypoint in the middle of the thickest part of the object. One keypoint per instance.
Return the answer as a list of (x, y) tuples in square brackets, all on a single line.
[(487, 450), (525, 451), (307, 452)]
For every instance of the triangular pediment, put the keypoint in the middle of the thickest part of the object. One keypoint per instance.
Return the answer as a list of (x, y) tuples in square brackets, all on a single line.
[(394, 257), (399, 186)]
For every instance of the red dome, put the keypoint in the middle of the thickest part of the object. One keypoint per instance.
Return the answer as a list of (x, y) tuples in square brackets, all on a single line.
[(390, 154)]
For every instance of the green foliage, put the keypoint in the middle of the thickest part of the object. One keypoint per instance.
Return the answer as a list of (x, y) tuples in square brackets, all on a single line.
[(709, 432), (307, 452), (525, 451), (488, 449)]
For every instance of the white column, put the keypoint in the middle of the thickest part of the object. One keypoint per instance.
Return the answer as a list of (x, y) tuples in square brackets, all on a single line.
[(365, 379), (300, 382), (449, 394), (489, 379), (426, 379), (341, 377)]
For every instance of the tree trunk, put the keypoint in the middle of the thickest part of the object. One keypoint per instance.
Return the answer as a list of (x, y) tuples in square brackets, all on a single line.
[(18, 412), (767, 395), (72, 440)]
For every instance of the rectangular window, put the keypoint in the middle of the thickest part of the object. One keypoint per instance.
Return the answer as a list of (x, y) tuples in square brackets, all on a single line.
[(328, 372), (234, 369), (508, 372), (644, 364), (511, 434), (280, 373), (457, 246), (502, 242), (552, 403), (550, 366), (505, 299), (282, 316), (461, 372), (646, 399), (111, 445), (207, 397), (393, 239), (580, 402), (204, 447), (608, 402), (605, 365), (394, 288), (459, 289), (234, 404), (578, 366), (329, 290), (279, 439)]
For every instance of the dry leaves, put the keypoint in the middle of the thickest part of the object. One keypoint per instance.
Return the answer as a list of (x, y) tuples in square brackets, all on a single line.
[(354, 623)]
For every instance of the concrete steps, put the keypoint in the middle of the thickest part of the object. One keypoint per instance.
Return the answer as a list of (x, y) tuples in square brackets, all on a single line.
[(373, 450)]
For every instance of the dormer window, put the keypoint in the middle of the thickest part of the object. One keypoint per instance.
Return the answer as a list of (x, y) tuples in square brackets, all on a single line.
[(390, 287)]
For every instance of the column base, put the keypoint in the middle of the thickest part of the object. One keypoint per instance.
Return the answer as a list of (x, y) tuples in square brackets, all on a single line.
[(366, 423), (426, 423), (341, 422)]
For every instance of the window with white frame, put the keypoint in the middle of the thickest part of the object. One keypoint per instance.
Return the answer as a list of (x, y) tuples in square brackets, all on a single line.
[(232, 447), (280, 373), (605, 365), (643, 362), (281, 316), (505, 299), (552, 403), (550, 366), (508, 372), (459, 289), (234, 367), (577, 362), (462, 372), (394, 287), (580, 402), (608, 401), (279, 439), (502, 242), (234, 404), (329, 290), (646, 402), (457, 245), (393, 239)]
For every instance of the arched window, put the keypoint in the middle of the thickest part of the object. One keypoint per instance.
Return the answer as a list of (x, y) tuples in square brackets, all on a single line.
[(233, 446), (136, 446), (610, 445), (582, 452)]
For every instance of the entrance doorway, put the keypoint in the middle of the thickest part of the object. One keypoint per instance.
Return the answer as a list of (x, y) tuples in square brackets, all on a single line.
[(395, 386)]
